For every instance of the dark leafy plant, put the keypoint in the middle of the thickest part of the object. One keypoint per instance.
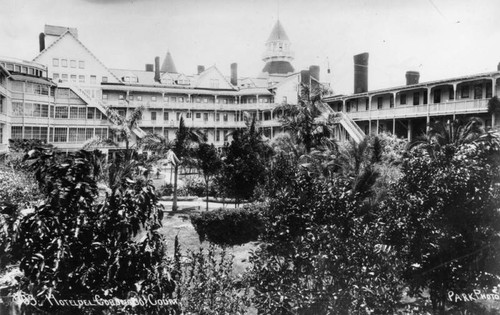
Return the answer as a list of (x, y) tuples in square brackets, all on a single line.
[(446, 220), (208, 162), (323, 252), (72, 247), (209, 287), (229, 227)]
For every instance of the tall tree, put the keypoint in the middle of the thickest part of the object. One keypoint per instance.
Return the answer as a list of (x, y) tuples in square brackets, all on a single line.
[(208, 162), (305, 121)]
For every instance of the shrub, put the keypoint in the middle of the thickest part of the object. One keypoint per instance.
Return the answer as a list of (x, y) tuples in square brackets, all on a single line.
[(229, 227), (209, 287), (75, 248), (195, 187)]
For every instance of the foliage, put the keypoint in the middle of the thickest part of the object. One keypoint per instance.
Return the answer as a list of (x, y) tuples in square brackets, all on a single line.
[(304, 122), (209, 287), (18, 191), (244, 163), (446, 219), (208, 162), (72, 247), (323, 252), (229, 227), (493, 105)]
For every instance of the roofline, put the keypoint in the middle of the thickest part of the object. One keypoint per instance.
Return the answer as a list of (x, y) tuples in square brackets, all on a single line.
[(85, 47), (414, 86)]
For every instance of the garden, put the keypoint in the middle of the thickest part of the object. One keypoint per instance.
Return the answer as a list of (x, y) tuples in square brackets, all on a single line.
[(313, 226)]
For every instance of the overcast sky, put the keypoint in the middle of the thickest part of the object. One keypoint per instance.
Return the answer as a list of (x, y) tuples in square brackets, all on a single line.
[(438, 38)]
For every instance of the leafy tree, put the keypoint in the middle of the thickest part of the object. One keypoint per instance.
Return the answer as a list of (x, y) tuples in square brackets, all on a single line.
[(208, 162), (124, 126), (74, 247), (322, 252), (244, 162), (446, 220)]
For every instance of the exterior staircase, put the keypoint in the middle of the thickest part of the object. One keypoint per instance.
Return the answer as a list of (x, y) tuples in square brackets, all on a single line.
[(344, 120), (97, 103)]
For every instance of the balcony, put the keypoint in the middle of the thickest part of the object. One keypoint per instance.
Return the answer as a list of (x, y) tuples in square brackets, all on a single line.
[(411, 111), (191, 106), (55, 122)]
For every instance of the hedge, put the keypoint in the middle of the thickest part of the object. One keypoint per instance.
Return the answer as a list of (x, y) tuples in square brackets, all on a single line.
[(229, 227)]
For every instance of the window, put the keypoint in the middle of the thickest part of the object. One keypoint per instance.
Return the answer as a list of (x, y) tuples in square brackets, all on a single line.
[(73, 78), (61, 112), (153, 98), (73, 112), (380, 102), (165, 116), (89, 133), (72, 63), (465, 91), (402, 99), (217, 117), (224, 117), (153, 115), (416, 98), (64, 62), (181, 99), (90, 113), (93, 79), (391, 101), (139, 97), (64, 77), (173, 99), (178, 116), (105, 96), (81, 64), (28, 109), (81, 78), (56, 76), (488, 91), (55, 62), (17, 68), (16, 132), (60, 134), (205, 100), (82, 112), (189, 115), (205, 116), (121, 97), (198, 100), (17, 109), (198, 115), (104, 79), (217, 135)]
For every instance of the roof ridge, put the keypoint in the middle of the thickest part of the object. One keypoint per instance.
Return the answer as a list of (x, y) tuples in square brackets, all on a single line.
[(81, 44)]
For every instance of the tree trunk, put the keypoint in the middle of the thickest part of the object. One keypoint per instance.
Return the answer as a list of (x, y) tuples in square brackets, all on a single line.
[(174, 203), (206, 181)]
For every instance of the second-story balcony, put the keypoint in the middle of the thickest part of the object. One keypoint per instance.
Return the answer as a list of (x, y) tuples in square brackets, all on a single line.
[(457, 107), (190, 106)]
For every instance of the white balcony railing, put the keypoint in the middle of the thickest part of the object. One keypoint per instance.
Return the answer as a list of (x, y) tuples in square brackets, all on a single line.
[(191, 106), (447, 108)]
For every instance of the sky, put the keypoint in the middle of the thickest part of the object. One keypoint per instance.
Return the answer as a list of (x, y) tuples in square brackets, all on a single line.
[(439, 38)]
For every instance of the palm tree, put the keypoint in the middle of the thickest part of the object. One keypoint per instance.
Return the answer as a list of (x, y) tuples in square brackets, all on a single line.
[(124, 126), (447, 136), (305, 121)]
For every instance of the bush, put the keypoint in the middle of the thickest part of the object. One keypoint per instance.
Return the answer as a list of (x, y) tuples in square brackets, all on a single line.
[(229, 227), (209, 287), (195, 186)]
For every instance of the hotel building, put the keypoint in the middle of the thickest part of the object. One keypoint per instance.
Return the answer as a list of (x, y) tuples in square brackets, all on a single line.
[(406, 110), (62, 96)]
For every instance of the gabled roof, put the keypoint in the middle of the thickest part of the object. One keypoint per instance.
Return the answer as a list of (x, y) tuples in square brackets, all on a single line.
[(168, 64), (212, 70), (278, 33), (69, 33)]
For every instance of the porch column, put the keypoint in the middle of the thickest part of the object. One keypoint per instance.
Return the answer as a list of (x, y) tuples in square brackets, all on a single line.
[(369, 115), (410, 125), (429, 89), (394, 126), (343, 106)]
